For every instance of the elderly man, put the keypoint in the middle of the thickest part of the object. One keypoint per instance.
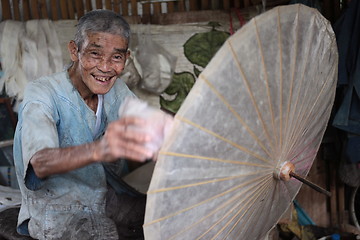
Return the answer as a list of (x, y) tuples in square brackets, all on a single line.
[(69, 137)]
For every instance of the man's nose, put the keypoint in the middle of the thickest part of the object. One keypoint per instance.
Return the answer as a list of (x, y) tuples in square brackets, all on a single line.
[(104, 65)]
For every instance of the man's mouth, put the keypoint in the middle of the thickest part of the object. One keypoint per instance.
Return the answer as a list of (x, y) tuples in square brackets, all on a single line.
[(102, 79)]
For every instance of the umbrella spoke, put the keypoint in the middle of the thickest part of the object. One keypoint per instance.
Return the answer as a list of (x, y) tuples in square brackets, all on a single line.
[(293, 73), (204, 201), (254, 208), (266, 80), (244, 149), (281, 77), (250, 201), (206, 182), (290, 135), (226, 103), (225, 204), (295, 143), (236, 162), (246, 81)]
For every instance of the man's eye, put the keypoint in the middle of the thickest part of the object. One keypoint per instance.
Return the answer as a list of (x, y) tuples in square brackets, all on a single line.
[(94, 53), (119, 57)]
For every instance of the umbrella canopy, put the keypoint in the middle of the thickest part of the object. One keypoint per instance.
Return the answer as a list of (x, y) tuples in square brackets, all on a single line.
[(259, 108)]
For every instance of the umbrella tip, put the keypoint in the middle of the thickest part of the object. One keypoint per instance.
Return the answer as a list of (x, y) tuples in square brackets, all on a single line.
[(283, 172)]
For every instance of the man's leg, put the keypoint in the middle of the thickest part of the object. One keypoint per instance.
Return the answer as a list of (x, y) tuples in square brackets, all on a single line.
[(127, 212)]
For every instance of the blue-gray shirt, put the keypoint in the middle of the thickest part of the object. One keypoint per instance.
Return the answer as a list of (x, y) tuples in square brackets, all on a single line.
[(54, 115)]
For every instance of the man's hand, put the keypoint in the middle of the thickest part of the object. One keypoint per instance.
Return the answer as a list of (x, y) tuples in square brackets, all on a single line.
[(122, 140)]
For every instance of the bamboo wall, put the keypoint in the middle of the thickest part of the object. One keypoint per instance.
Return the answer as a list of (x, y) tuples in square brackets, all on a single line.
[(73, 9), (141, 11)]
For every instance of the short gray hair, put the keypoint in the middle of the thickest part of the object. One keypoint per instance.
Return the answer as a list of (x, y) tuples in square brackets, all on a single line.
[(101, 20)]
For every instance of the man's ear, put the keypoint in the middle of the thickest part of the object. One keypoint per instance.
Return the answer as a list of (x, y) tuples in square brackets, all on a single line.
[(73, 50)]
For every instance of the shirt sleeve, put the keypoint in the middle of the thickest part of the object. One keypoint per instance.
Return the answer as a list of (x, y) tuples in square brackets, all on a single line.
[(39, 131)]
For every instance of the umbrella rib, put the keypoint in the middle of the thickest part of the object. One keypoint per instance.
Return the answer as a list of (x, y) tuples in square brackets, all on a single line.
[(296, 118), (281, 77), (293, 74), (301, 127), (213, 159), (250, 200), (250, 93), (245, 201), (226, 103), (225, 204), (253, 210), (266, 79), (202, 202), (203, 182), (223, 139)]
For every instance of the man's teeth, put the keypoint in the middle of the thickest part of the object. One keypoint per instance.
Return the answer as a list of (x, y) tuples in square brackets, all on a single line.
[(103, 79)]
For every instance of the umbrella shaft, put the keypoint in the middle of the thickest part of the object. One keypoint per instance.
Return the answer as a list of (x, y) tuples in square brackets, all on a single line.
[(310, 184)]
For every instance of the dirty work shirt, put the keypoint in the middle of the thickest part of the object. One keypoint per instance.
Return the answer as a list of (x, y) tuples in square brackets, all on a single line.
[(53, 115)]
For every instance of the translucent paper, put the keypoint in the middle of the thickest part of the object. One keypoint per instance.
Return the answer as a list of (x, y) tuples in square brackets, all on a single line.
[(264, 99)]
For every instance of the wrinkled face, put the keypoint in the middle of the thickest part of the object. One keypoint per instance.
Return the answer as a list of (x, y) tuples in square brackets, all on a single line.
[(99, 62)]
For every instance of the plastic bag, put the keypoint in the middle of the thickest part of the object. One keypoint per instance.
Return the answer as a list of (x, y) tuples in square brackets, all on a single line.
[(155, 65), (157, 124)]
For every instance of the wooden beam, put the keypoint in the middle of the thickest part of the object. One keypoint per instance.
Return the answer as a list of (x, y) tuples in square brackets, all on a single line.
[(43, 9), (54, 10), (34, 9), (16, 10), (124, 8), (79, 7)]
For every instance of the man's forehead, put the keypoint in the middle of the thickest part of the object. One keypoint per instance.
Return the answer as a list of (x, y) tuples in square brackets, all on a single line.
[(105, 41)]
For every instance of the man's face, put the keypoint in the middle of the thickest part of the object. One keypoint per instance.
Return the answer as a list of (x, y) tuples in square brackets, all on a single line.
[(100, 61)]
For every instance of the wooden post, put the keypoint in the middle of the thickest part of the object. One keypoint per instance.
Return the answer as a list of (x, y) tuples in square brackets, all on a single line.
[(226, 4), (157, 8), (43, 9), (193, 5), (125, 7), (146, 16), (181, 6), (64, 10), (16, 10), (108, 4), (34, 9), (204, 4), (134, 11), (71, 9), (236, 3), (6, 10), (117, 6), (246, 3), (26, 10), (54, 10), (170, 7), (79, 7), (99, 4), (88, 6)]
